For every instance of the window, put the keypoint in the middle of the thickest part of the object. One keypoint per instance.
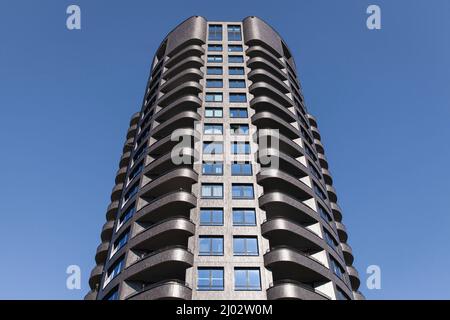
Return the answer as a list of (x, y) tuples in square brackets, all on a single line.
[(241, 169), (214, 97), (214, 70), (247, 279), (138, 153), (215, 47), (245, 246), (235, 59), (340, 295), (212, 148), (234, 33), (131, 192), (238, 113), (324, 214), (212, 191), (213, 129), (214, 83), (238, 97), (240, 148), (113, 271), (336, 268), (310, 153), (126, 216), (242, 191), (236, 71), (215, 58), (244, 217), (210, 279), (215, 32), (234, 48), (238, 128), (213, 112), (210, 246), (212, 168), (120, 242), (314, 171), (113, 295), (330, 240), (136, 171), (211, 217), (318, 191), (236, 83)]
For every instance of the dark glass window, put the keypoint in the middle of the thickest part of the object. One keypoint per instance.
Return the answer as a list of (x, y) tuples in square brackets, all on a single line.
[(215, 32), (215, 47), (235, 59), (212, 168), (236, 71), (234, 33), (324, 214), (211, 217), (242, 191), (318, 191), (114, 270), (330, 240), (214, 83), (239, 129), (241, 169), (337, 269), (214, 70), (238, 113), (244, 217), (131, 192), (234, 48), (236, 83), (120, 242), (238, 97), (126, 216), (215, 58)]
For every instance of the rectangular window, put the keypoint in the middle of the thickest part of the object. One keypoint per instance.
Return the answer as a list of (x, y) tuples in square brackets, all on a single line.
[(233, 83), (213, 129), (131, 192), (212, 168), (238, 97), (215, 47), (211, 217), (234, 48), (214, 70), (318, 191), (113, 271), (119, 243), (113, 295), (247, 279), (212, 191), (314, 171), (236, 71), (235, 59), (215, 58), (336, 268), (126, 216), (244, 217), (210, 279), (245, 246), (213, 112), (330, 240), (210, 246), (234, 33), (214, 83), (213, 97), (240, 148), (239, 129), (215, 32), (324, 214), (310, 153), (212, 148), (238, 113), (241, 169), (242, 191), (136, 171), (340, 295)]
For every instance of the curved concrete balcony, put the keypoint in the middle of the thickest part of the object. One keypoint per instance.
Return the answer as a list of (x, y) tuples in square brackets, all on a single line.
[(135, 118), (268, 120), (347, 252), (186, 52), (342, 232), (165, 290), (315, 133), (182, 120), (170, 262), (337, 213), (132, 131), (293, 290), (286, 144), (261, 75), (322, 160), (125, 159), (279, 181), (288, 263), (111, 212), (185, 89), (260, 89), (191, 62), (166, 144), (101, 253), (327, 176), (331, 193), (285, 162), (261, 63), (165, 162), (284, 232), (91, 295), (312, 120), (121, 175), (116, 192), (128, 145), (181, 178), (319, 146), (107, 230), (358, 295), (270, 105), (279, 204), (354, 277), (259, 51), (168, 232), (186, 103), (191, 74), (175, 203), (96, 276)]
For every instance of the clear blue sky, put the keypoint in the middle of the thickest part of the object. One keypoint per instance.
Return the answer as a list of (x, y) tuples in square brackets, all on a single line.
[(382, 100)]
